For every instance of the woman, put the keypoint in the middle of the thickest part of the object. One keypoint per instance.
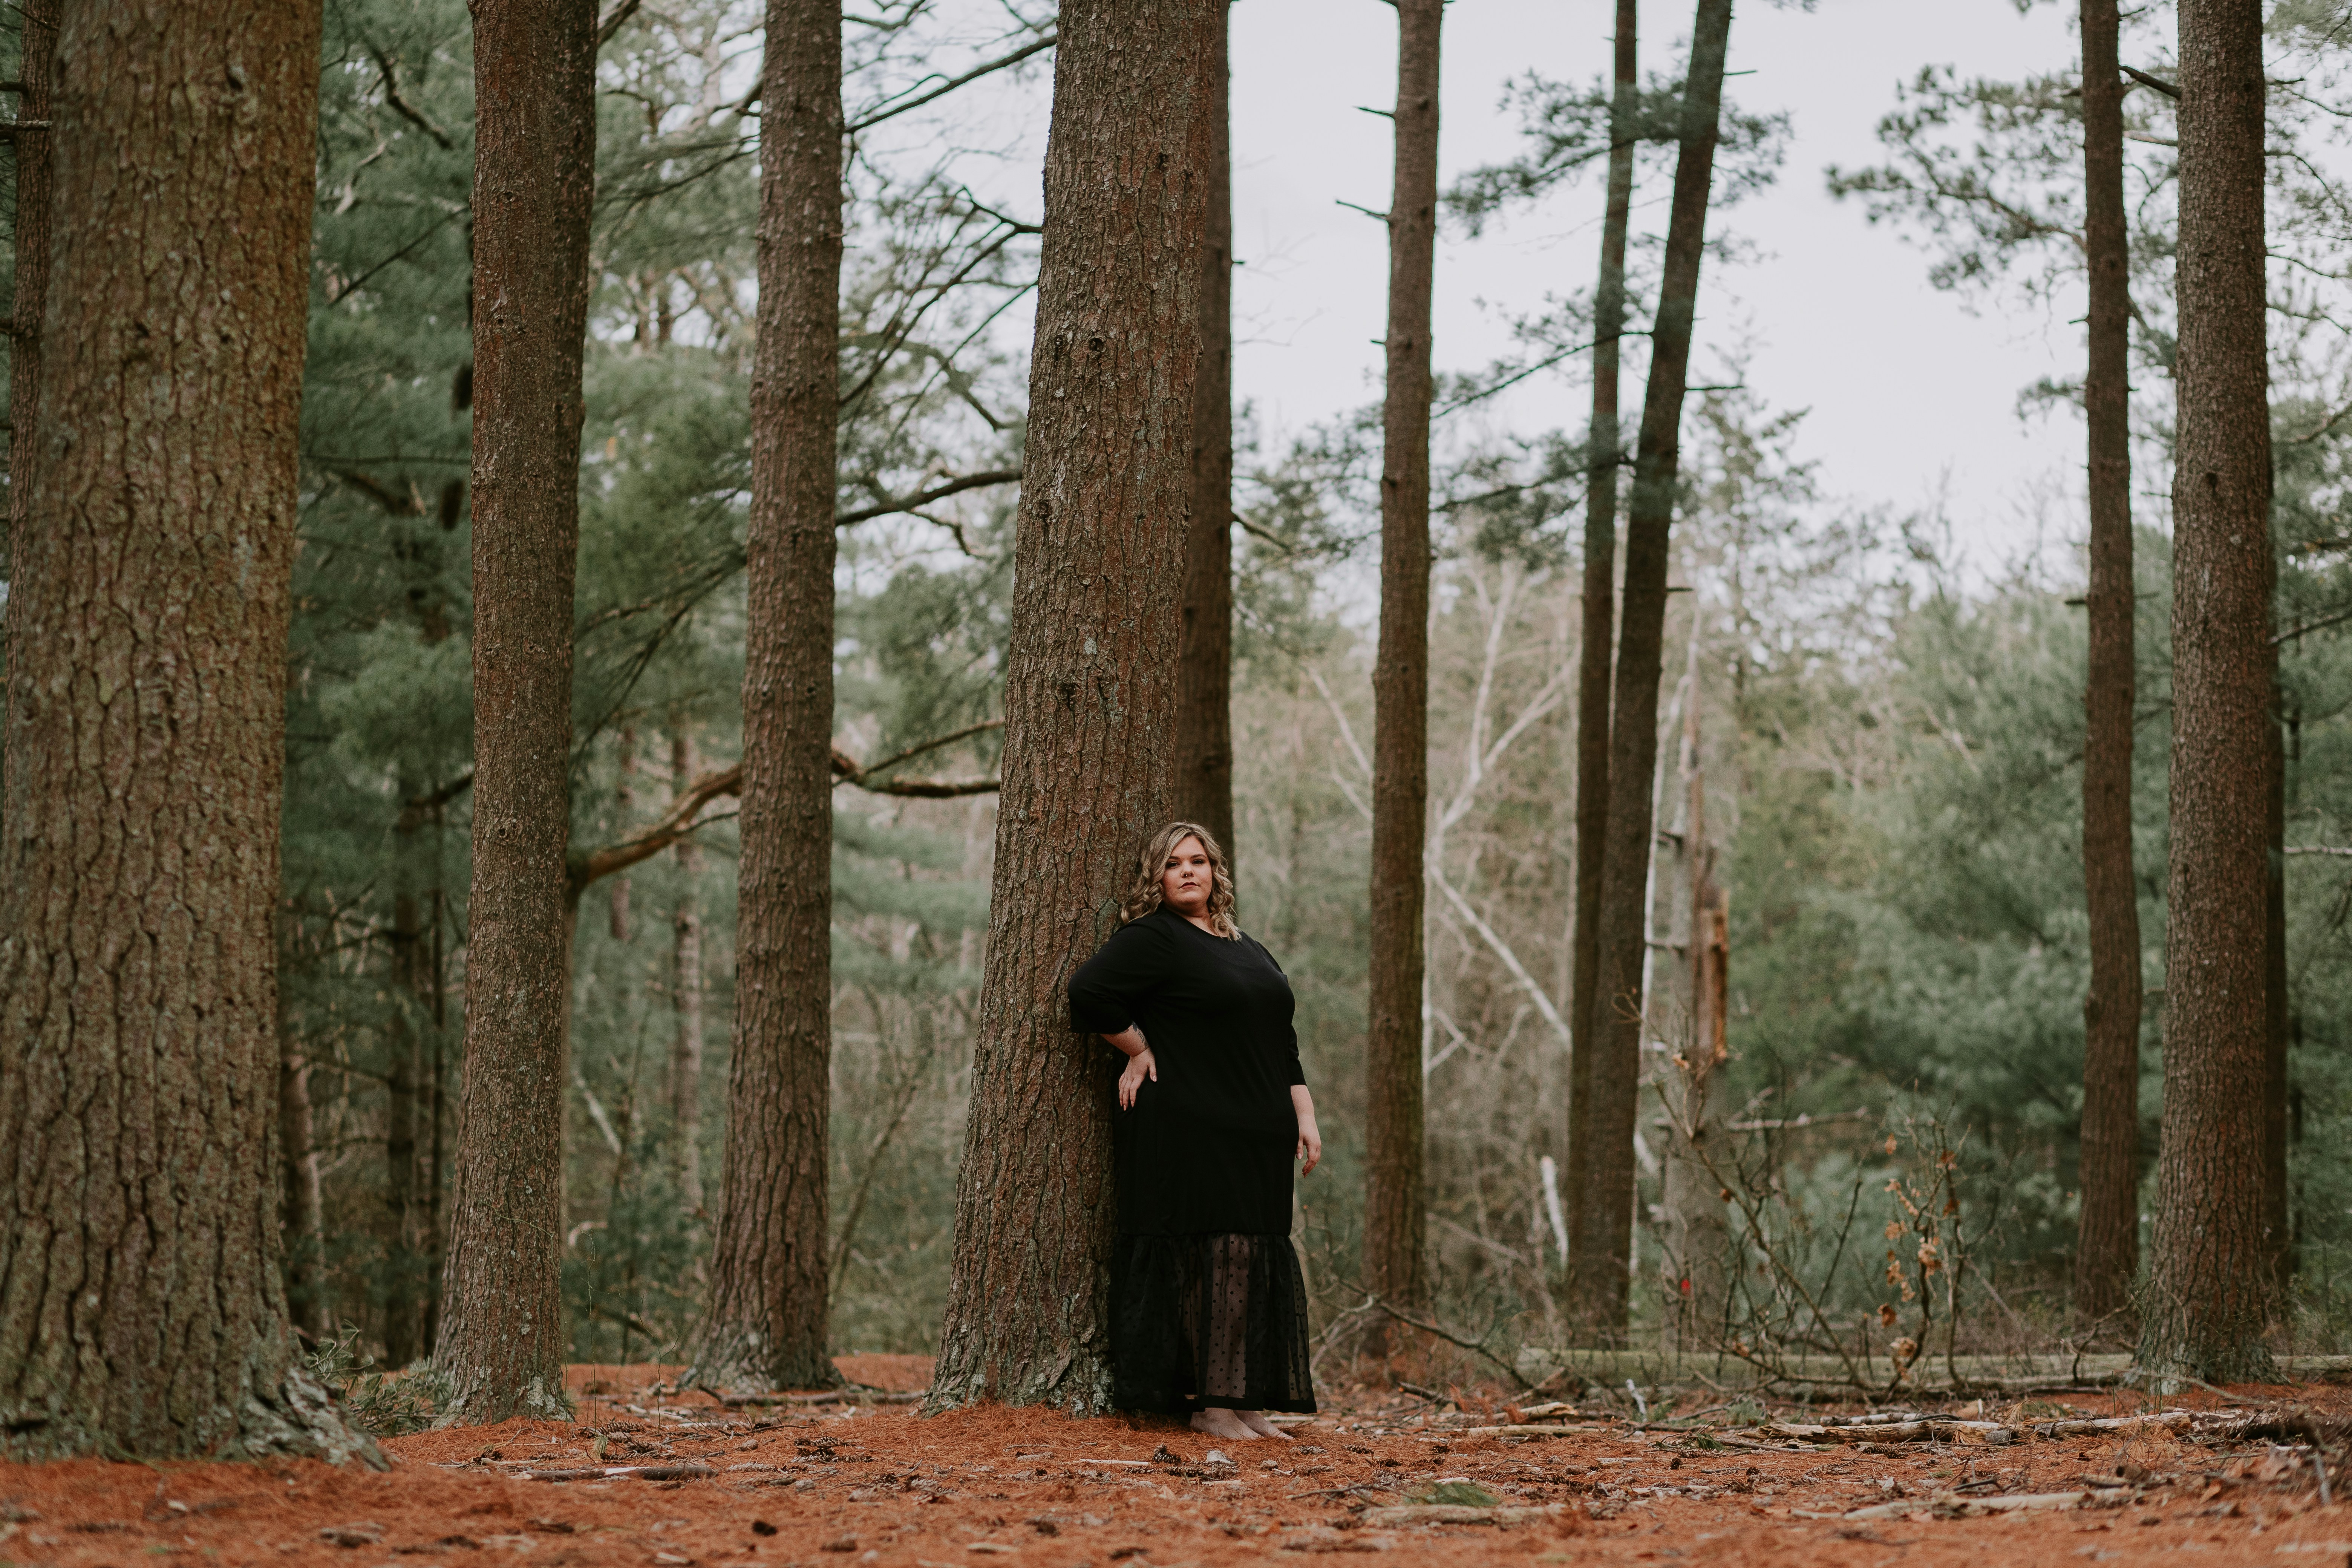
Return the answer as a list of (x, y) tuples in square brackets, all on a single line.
[(1208, 1307)]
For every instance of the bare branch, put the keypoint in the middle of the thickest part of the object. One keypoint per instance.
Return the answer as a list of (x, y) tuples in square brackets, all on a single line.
[(925, 498), (1015, 57), (614, 19), (407, 109)]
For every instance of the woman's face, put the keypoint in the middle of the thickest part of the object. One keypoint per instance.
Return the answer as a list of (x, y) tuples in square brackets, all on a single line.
[(1185, 880)]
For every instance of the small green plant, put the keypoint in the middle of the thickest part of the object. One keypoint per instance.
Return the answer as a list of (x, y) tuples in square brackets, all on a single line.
[(1454, 1494), (383, 1404)]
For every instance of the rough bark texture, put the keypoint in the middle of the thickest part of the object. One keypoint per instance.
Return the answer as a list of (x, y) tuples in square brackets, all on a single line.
[(2107, 1253), (1090, 691), (770, 1254), (142, 1311), (1204, 680), (38, 38), (685, 996), (2209, 1285), (1599, 1250), (501, 1342), (1598, 632), (1395, 1219)]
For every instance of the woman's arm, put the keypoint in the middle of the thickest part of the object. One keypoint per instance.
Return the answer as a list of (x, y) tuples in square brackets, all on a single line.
[(1140, 1064), (1310, 1141)]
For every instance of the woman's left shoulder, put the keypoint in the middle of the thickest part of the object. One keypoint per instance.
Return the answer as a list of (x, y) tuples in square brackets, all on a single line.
[(1251, 944)]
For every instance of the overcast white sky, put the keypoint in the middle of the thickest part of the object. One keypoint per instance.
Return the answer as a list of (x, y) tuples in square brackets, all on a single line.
[(1910, 394)]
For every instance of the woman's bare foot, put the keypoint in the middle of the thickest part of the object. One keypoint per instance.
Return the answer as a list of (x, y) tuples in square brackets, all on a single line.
[(1258, 1422), (1219, 1422)]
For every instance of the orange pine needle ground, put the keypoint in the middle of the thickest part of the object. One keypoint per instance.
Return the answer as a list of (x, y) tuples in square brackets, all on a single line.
[(887, 1487)]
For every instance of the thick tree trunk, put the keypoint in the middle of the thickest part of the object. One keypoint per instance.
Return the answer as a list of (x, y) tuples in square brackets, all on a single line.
[(770, 1253), (686, 1001), (38, 38), (1204, 682), (2106, 1255), (1599, 1250), (141, 1308), (2210, 1283), (1599, 631), (1090, 691), (1395, 1220), (501, 1343)]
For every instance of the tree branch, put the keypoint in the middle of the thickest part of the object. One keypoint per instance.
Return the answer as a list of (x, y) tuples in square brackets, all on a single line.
[(1015, 57), (925, 498), (932, 746), (685, 817), (677, 822), (2144, 80), (614, 20), (407, 109)]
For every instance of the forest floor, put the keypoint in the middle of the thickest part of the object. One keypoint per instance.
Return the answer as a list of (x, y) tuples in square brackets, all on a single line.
[(833, 1485)]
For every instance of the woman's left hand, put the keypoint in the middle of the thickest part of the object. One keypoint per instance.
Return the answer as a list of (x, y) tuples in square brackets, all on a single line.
[(1310, 1146)]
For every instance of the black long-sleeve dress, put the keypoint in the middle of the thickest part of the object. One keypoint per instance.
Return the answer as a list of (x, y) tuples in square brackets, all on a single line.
[(1208, 1305)]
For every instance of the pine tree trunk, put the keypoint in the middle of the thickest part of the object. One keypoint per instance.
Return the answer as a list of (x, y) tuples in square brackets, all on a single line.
[(2106, 1255), (1599, 631), (1600, 1255), (770, 1254), (37, 36), (501, 1343), (686, 993), (1395, 1220), (141, 1308), (2208, 1296), (1090, 691), (1204, 682)]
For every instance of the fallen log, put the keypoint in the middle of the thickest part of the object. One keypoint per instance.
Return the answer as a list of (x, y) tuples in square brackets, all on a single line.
[(1456, 1513), (1925, 1429), (830, 1396), (614, 1472), (2169, 1421), (1947, 1506)]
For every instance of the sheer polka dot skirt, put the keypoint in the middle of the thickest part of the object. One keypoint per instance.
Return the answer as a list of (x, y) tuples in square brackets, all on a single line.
[(1202, 1320)]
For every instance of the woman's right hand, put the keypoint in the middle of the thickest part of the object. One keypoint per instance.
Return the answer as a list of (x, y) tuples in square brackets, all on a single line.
[(1139, 1066)]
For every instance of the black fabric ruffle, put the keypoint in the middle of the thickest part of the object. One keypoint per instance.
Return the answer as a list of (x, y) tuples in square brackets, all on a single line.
[(1200, 1321)]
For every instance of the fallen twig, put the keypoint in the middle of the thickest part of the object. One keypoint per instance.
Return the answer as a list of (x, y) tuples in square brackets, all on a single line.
[(1456, 1513), (613, 1472), (1972, 1507), (1927, 1429), (830, 1396), (2170, 1421)]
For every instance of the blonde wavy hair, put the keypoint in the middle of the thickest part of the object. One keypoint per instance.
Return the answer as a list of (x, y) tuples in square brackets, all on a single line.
[(1145, 896)]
